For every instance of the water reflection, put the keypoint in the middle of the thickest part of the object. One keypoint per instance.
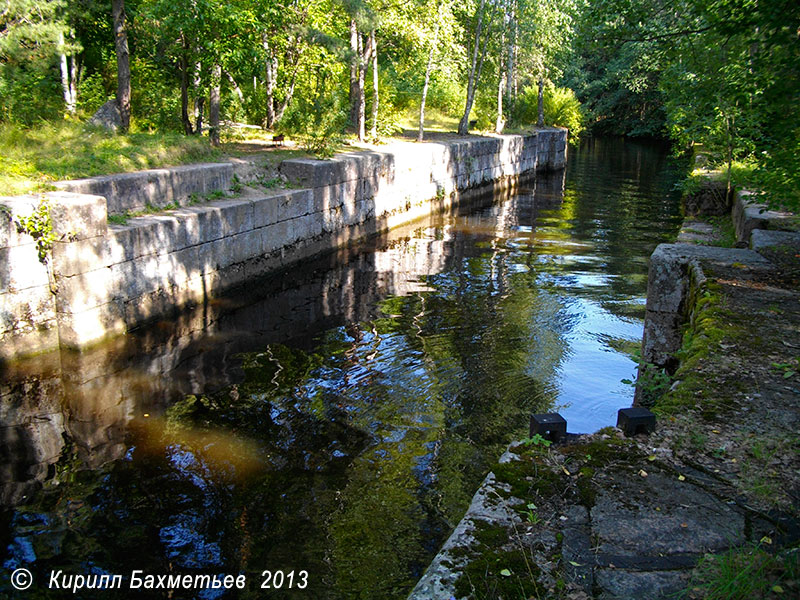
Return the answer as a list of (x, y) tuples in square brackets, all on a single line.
[(338, 417)]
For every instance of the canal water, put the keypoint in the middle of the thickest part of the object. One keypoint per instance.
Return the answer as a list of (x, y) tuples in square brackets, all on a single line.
[(330, 424)]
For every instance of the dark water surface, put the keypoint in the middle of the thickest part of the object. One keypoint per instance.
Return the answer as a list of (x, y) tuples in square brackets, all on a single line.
[(337, 418)]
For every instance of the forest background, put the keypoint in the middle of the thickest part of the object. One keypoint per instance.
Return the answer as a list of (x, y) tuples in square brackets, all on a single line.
[(723, 75)]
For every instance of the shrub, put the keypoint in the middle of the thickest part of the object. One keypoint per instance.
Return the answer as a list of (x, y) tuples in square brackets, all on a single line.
[(561, 108)]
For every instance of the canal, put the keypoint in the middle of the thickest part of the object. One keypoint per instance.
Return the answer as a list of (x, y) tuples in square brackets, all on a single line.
[(332, 422)]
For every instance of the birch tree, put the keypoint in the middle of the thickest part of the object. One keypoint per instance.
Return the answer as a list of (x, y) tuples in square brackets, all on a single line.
[(479, 43)]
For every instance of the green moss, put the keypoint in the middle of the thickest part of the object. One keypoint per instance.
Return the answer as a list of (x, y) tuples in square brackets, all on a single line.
[(712, 326), (601, 452), (586, 490), (529, 476), (492, 536), (499, 575)]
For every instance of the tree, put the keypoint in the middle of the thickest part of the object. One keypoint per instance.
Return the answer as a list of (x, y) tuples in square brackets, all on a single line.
[(429, 68), (478, 44), (32, 38), (123, 63)]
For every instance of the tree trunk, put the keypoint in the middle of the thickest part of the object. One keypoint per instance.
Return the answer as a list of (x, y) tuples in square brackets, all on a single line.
[(500, 123), (69, 97), (475, 77), (363, 53), (199, 110), (512, 43), (123, 63), (270, 75), (199, 100), (213, 105), (355, 64), (463, 125), (289, 93), (236, 89), (68, 77), (374, 49), (540, 120), (428, 70), (183, 65), (76, 70)]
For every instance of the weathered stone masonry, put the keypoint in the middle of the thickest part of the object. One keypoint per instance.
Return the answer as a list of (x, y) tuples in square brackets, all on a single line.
[(106, 279)]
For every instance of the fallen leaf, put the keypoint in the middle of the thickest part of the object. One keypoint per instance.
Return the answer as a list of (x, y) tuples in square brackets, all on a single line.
[(681, 478), (642, 473), (777, 589), (505, 573), (563, 468), (651, 458), (574, 564)]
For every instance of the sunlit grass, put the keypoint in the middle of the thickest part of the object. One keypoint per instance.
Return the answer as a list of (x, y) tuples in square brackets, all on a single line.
[(32, 158), (435, 120)]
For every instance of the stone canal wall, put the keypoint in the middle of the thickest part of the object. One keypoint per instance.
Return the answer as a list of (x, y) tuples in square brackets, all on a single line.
[(102, 279)]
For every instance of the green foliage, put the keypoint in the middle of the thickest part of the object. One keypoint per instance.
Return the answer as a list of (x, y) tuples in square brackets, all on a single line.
[(561, 108), (95, 91), (155, 99), (29, 94), (318, 122), (536, 440), (40, 227)]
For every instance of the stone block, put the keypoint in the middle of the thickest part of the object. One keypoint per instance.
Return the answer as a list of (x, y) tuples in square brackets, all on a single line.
[(81, 329), (236, 216), (238, 248), (87, 290), (310, 173), (154, 187), (207, 225), (21, 269), (19, 343), (306, 227), (11, 208), (83, 256), (328, 197), (749, 215), (265, 211), (636, 420), (274, 237), (27, 310), (295, 204), (77, 216), (551, 426), (762, 239)]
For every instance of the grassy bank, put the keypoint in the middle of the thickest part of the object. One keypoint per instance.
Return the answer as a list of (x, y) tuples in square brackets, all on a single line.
[(31, 158)]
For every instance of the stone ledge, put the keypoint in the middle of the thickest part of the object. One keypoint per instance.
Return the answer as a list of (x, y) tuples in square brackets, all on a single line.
[(749, 215), (668, 291), (154, 187)]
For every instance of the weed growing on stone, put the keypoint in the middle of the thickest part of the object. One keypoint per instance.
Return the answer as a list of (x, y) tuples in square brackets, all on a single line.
[(536, 440), (149, 209), (40, 227)]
